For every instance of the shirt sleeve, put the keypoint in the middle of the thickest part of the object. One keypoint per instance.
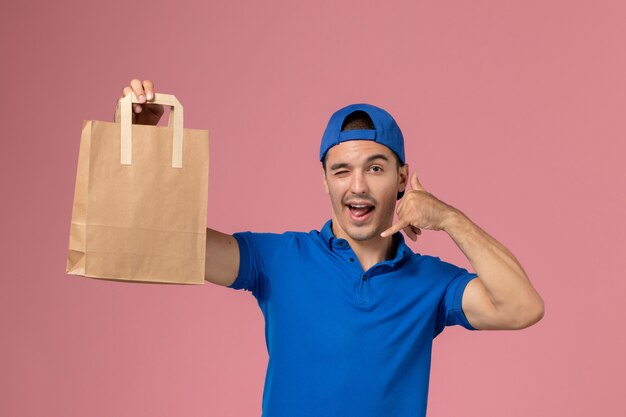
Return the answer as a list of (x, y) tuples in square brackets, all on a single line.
[(450, 311), (256, 255)]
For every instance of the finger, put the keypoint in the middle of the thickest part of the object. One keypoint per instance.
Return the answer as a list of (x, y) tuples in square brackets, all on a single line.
[(393, 229), (415, 183), (138, 90), (126, 91), (410, 233), (148, 86)]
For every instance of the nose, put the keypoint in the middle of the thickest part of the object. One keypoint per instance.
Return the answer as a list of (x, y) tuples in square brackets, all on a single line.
[(359, 184)]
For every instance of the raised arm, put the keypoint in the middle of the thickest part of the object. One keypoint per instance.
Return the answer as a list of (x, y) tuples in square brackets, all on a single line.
[(222, 251), (501, 297)]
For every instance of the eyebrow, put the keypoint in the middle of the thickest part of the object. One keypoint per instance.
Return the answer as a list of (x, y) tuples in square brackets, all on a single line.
[(370, 159)]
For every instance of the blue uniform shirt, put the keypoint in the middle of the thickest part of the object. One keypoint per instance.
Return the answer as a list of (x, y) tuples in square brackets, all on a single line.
[(345, 342)]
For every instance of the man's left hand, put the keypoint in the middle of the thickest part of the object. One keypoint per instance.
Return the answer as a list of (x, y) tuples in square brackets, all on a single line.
[(418, 210)]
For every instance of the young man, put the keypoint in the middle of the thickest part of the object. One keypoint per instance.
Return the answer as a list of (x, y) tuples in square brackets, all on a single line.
[(350, 310)]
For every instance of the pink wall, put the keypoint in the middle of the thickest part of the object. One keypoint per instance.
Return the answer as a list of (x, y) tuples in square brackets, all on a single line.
[(513, 112)]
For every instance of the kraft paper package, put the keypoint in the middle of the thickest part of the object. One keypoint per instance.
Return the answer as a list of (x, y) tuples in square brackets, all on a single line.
[(140, 200)]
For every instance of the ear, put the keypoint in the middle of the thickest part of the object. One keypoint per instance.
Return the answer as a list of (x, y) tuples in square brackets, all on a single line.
[(324, 181), (403, 177)]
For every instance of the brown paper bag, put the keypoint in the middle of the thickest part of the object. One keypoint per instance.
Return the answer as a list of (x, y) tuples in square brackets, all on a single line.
[(140, 200)]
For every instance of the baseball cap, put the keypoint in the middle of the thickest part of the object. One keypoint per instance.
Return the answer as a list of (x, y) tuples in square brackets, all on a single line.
[(386, 131)]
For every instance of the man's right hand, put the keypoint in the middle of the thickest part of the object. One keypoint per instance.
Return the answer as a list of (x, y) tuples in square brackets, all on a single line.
[(145, 113)]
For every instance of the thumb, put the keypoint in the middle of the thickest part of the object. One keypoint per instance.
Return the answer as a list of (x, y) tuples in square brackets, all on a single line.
[(415, 183)]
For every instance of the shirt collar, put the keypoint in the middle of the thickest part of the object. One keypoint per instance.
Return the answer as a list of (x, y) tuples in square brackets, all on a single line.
[(333, 243)]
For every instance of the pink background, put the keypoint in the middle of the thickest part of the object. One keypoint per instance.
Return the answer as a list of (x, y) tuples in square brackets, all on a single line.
[(513, 112)]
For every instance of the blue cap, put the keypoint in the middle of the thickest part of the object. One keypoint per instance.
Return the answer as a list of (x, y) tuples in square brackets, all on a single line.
[(386, 131)]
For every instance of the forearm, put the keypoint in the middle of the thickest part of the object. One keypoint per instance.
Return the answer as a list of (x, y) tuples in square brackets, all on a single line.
[(509, 288)]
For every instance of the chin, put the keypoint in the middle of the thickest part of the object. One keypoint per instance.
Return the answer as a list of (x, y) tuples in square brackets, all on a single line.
[(362, 233)]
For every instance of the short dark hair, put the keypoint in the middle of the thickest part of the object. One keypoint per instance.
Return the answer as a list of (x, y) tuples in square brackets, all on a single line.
[(361, 120)]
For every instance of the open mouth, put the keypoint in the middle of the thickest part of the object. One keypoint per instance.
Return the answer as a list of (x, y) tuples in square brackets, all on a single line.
[(360, 211)]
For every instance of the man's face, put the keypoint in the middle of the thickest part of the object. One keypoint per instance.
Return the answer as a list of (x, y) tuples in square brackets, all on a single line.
[(362, 179)]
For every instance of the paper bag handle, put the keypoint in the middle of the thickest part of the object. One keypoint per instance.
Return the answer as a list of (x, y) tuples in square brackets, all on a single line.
[(176, 115)]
